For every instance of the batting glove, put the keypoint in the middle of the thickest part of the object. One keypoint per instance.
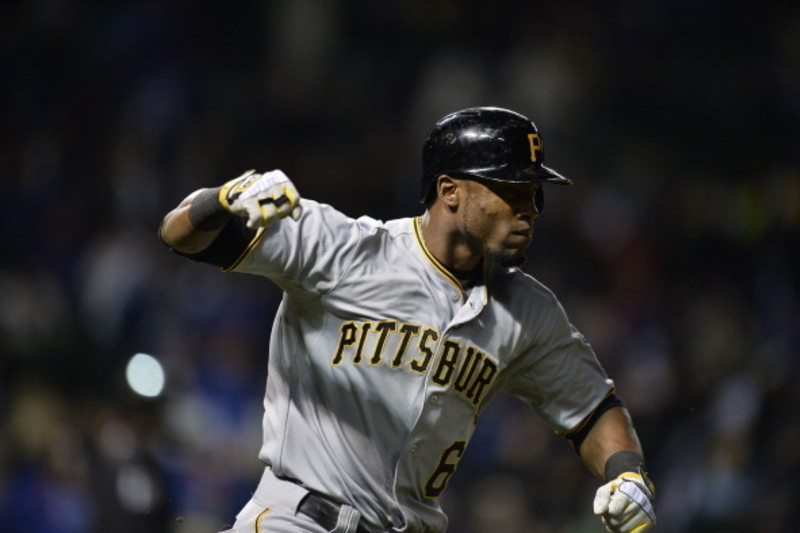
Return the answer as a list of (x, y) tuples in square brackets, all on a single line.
[(261, 198), (625, 504)]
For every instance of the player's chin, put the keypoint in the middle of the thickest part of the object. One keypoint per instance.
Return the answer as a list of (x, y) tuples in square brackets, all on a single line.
[(508, 258)]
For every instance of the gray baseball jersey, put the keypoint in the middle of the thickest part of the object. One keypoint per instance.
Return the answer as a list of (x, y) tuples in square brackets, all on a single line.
[(380, 362)]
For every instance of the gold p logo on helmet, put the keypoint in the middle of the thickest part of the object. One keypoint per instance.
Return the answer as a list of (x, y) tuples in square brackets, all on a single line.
[(536, 146)]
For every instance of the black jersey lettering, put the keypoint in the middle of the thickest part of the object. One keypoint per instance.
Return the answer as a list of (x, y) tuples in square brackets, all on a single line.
[(407, 330), (467, 370), (485, 376), (383, 329), (447, 362), (448, 462), (347, 337), (421, 365), (365, 327)]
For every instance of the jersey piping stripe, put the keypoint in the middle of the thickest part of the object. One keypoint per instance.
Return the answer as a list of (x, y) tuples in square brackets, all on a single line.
[(432, 260), (259, 517), (246, 251)]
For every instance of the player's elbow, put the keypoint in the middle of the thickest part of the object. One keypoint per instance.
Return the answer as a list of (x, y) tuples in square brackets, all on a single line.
[(178, 233), (169, 232)]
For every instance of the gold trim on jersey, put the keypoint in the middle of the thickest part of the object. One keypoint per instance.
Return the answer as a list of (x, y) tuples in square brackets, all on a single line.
[(438, 265), (443, 270), (246, 251), (259, 517)]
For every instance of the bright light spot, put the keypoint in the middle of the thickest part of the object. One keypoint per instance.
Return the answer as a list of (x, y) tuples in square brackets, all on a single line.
[(145, 375)]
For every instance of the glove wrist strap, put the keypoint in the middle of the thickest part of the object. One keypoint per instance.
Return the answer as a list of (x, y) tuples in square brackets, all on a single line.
[(628, 462), (206, 213), (624, 461)]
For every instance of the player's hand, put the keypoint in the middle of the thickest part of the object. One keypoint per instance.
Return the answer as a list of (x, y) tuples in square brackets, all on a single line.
[(625, 504), (261, 198)]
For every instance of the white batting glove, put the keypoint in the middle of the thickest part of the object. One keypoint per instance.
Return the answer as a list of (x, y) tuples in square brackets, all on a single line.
[(625, 504), (261, 198)]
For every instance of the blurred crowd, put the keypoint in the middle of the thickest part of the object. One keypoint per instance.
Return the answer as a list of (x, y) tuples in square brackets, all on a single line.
[(677, 252)]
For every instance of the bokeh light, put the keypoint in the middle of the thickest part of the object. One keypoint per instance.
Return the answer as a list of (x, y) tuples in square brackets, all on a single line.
[(145, 375)]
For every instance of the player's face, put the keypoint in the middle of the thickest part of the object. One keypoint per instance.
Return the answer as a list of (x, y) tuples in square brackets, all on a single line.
[(498, 219)]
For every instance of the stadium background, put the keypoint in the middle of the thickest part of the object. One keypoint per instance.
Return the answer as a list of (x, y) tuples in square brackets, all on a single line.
[(676, 252)]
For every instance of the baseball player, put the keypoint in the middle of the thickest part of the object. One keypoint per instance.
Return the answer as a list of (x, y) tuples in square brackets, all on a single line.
[(392, 337)]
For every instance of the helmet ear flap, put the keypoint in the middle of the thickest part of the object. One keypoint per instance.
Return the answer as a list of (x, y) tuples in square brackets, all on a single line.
[(538, 199)]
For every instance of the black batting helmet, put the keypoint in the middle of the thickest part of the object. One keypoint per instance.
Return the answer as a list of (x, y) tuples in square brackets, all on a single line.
[(485, 142)]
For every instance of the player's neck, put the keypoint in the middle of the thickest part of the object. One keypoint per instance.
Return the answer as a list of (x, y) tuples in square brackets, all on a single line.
[(446, 245)]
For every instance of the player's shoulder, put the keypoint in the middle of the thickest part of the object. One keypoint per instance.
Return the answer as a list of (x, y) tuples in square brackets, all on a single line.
[(321, 213), (386, 228), (365, 223), (367, 231), (521, 288), (517, 297), (519, 279)]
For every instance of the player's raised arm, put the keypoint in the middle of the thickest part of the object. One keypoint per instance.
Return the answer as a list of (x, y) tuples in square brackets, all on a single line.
[(260, 198)]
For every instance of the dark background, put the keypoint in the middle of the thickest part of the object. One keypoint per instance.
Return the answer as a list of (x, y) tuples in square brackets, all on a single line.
[(676, 252)]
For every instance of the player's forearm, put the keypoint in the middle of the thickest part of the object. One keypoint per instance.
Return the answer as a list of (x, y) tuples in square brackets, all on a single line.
[(613, 432), (180, 228)]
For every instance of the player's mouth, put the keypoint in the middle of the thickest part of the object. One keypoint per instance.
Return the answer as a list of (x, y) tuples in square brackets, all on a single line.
[(521, 237), (525, 231)]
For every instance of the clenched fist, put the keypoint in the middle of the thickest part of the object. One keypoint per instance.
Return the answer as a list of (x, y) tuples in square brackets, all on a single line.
[(625, 504), (261, 198)]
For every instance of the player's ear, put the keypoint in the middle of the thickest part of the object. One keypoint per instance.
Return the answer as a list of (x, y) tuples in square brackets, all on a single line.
[(447, 190)]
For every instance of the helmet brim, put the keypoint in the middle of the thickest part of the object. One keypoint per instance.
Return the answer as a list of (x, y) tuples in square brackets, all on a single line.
[(547, 174), (540, 174)]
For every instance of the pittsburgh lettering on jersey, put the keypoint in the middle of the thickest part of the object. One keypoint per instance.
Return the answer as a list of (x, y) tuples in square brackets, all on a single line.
[(468, 370)]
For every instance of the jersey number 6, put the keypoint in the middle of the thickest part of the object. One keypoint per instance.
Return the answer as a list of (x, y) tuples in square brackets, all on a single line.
[(447, 465)]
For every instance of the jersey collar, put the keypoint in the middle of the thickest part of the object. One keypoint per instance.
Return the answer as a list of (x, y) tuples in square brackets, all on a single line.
[(442, 269)]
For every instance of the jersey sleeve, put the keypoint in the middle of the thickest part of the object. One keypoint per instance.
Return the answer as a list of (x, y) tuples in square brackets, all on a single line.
[(558, 373), (307, 255)]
